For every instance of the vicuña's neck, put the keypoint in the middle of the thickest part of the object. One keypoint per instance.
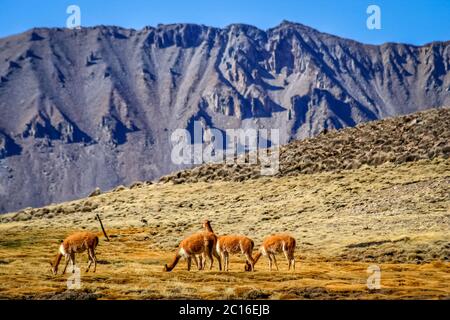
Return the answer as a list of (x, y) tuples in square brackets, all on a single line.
[(57, 260), (174, 262), (208, 227), (256, 258)]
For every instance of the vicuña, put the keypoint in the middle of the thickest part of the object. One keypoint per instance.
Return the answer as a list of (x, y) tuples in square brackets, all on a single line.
[(232, 244), (199, 244), (273, 245), (76, 243)]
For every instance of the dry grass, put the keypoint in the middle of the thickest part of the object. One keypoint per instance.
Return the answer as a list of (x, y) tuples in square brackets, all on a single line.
[(129, 270), (396, 216)]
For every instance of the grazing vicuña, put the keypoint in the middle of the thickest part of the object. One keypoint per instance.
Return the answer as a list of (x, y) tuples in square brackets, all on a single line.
[(201, 243), (76, 243), (273, 245), (232, 244)]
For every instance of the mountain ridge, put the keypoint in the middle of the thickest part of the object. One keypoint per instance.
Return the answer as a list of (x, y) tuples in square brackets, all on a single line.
[(284, 23), (95, 107)]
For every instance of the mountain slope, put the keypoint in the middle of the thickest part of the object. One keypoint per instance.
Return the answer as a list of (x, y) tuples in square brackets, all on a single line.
[(419, 136), (96, 107)]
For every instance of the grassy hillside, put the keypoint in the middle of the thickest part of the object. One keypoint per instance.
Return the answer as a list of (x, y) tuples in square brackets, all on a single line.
[(396, 216)]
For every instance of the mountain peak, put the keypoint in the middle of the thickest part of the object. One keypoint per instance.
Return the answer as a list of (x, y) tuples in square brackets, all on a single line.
[(290, 25), (286, 23)]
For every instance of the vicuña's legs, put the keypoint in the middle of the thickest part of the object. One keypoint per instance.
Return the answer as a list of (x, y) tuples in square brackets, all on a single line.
[(288, 259), (203, 261), (89, 261), (95, 260), (197, 261), (270, 261), (67, 258), (222, 255), (215, 254), (227, 261), (210, 258), (189, 261), (92, 258), (72, 258), (275, 261)]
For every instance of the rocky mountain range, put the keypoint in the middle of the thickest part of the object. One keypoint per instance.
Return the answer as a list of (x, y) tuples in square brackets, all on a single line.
[(96, 107)]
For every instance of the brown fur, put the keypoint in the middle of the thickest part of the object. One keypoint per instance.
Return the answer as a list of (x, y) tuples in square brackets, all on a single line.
[(235, 244), (232, 244), (273, 245), (77, 243), (201, 243)]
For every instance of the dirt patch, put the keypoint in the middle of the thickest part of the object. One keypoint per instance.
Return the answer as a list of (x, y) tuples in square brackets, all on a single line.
[(66, 295), (250, 294), (314, 293)]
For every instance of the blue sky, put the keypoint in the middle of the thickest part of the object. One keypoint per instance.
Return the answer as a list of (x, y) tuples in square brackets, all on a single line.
[(413, 21)]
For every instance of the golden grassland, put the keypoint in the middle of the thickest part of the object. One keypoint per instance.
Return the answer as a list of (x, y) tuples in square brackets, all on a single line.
[(395, 216)]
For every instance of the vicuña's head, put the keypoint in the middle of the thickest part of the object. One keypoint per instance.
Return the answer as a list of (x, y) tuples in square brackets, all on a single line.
[(247, 267), (54, 265), (166, 268), (206, 224), (54, 269)]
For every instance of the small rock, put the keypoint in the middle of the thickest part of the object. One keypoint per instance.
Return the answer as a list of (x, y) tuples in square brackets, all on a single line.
[(95, 193)]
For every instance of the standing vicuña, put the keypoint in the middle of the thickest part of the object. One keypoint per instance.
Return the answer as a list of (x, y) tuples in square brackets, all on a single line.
[(232, 244), (76, 243), (201, 243), (273, 245)]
